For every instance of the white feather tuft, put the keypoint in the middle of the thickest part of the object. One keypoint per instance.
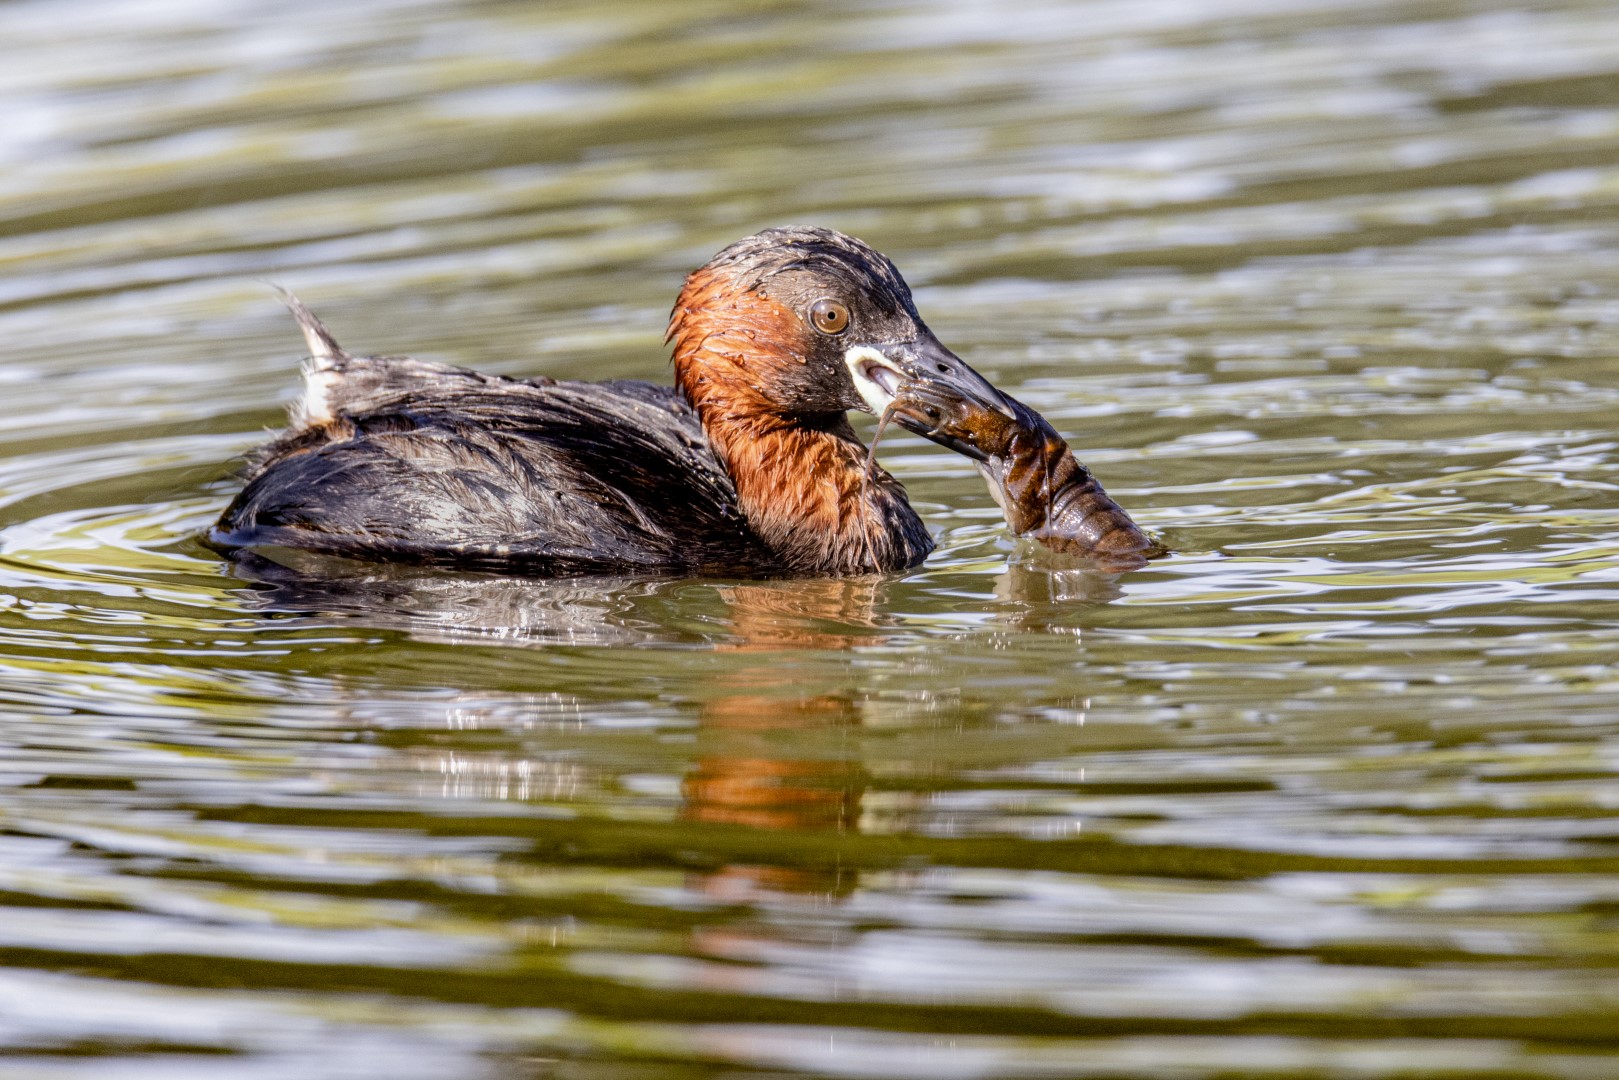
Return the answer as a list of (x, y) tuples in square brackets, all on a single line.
[(321, 371)]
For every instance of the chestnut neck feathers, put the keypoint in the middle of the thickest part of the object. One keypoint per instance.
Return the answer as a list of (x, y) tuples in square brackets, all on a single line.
[(772, 394)]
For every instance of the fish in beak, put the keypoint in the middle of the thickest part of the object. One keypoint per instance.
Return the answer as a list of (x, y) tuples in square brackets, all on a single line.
[(1043, 491)]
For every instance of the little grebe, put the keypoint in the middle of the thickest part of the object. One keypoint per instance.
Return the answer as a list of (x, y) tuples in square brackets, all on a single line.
[(747, 466)]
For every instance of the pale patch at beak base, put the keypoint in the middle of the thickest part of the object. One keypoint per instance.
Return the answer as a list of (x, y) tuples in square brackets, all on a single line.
[(876, 378)]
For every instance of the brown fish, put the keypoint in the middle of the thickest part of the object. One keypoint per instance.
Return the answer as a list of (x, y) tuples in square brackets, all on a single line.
[(1042, 489)]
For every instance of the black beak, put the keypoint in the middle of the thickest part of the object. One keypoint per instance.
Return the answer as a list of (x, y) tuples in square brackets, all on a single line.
[(936, 389)]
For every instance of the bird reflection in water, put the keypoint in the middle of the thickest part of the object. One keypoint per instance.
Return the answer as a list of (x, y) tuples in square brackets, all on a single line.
[(771, 754)]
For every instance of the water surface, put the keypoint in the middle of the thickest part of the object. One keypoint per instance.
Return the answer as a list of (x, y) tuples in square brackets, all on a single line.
[(1326, 294)]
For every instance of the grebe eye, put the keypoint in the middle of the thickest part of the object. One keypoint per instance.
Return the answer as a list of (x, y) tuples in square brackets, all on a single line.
[(829, 316)]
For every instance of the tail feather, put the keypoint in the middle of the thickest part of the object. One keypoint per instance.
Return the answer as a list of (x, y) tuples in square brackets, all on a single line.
[(321, 371), (323, 347)]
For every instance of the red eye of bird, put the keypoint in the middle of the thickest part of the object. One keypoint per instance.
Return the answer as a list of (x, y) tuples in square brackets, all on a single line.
[(829, 316)]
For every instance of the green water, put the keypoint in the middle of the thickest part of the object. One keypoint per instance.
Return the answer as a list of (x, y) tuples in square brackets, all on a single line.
[(1326, 293)]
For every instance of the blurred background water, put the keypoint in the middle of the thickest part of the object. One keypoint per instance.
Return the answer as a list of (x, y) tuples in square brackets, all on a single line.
[(1327, 293)]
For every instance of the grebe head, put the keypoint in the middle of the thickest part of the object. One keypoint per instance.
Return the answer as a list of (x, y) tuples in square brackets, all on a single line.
[(802, 322)]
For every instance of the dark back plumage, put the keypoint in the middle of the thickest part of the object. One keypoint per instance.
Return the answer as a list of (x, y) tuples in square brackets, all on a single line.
[(427, 463)]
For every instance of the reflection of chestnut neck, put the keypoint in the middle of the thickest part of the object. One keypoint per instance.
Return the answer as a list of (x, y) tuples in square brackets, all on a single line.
[(742, 777), (800, 478), (745, 785), (824, 613)]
